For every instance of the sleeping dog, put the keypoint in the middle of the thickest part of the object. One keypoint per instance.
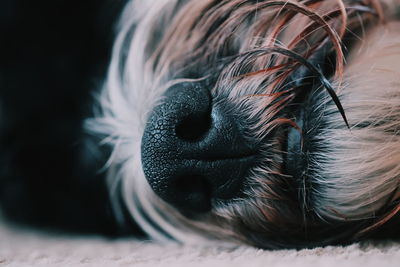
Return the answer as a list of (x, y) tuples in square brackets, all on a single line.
[(270, 123)]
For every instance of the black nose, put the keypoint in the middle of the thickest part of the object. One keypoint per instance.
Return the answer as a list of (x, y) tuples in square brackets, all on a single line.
[(194, 151)]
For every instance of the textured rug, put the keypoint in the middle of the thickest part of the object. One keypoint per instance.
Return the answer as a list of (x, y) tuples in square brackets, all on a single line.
[(22, 247)]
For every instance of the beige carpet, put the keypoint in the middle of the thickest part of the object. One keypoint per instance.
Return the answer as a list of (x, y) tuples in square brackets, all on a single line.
[(21, 247)]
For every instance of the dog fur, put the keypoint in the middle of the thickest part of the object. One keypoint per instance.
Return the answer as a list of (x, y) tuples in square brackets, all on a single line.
[(259, 56)]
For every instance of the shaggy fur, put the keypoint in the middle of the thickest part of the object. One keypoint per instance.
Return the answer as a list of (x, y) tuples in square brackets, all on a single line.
[(245, 48), (337, 61)]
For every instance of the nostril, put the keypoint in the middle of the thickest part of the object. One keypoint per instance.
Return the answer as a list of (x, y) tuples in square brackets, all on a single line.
[(193, 128), (193, 192)]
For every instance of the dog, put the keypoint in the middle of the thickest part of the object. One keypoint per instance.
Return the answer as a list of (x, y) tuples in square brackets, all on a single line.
[(269, 123)]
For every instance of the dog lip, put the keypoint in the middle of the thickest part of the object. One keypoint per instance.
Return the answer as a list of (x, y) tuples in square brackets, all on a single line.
[(227, 186), (297, 142), (227, 175)]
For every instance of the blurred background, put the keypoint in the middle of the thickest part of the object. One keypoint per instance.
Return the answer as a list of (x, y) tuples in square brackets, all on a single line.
[(53, 56)]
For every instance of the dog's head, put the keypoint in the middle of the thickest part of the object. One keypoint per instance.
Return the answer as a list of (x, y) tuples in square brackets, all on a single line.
[(238, 120)]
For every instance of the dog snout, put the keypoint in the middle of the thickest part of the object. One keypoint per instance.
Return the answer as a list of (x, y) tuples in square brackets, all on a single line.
[(193, 151)]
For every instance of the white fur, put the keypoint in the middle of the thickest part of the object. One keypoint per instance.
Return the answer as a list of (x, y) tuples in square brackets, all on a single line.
[(362, 169)]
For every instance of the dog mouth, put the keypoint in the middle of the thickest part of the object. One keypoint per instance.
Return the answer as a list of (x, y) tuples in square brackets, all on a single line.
[(297, 142)]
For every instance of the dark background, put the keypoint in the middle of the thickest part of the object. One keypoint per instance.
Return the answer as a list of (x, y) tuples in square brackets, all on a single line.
[(53, 55)]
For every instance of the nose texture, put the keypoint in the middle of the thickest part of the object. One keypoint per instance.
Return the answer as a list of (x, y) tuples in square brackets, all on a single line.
[(194, 152)]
